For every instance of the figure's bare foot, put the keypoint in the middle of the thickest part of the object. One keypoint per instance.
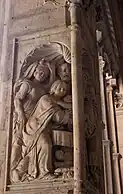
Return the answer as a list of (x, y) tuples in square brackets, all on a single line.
[(27, 177)]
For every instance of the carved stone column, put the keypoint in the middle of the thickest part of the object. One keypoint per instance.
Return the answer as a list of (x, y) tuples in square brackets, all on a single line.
[(77, 97), (106, 141), (113, 136)]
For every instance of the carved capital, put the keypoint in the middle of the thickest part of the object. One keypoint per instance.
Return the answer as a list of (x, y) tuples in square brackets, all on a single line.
[(117, 156), (106, 143)]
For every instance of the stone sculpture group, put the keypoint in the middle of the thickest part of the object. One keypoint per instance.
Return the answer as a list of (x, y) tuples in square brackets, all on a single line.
[(42, 102)]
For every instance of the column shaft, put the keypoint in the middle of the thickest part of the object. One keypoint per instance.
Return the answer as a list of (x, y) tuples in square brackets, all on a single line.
[(106, 141), (78, 99), (113, 136)]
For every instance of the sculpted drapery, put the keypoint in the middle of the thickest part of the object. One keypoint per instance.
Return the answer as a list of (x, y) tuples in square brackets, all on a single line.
[(38, 106), (42, 116)]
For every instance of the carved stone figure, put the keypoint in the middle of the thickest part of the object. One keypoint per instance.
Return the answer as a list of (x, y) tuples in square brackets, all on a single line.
[(64, 73), (36, 159), (40, 116), (27, 91)]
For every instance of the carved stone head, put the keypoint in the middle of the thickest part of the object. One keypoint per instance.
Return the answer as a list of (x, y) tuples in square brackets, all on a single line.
[(63, 72), (58, 89), (42, 71)]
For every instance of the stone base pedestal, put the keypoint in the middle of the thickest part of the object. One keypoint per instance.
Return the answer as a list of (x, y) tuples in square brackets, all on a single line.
[(58, 186)]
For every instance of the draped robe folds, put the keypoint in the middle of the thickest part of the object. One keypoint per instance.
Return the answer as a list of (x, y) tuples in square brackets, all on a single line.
[(37, 139), (29, 94)]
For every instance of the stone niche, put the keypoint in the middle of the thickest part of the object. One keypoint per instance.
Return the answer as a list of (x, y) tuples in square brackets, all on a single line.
[(40, 157), (40, 144)]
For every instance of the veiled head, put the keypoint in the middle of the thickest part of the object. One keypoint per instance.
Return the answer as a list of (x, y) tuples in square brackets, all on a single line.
[(42, 71)]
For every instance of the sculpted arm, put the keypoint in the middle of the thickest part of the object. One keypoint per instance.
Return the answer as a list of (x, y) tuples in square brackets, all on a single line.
[(18, 101), (61, 116), (46, 102), (65, 105)]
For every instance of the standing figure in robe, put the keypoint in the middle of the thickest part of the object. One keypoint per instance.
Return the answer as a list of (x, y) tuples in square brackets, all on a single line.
[(27, 91)]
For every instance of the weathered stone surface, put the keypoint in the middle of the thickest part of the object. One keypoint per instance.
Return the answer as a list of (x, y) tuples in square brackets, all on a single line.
[(25, 8), (35, 23), (56, 186)]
